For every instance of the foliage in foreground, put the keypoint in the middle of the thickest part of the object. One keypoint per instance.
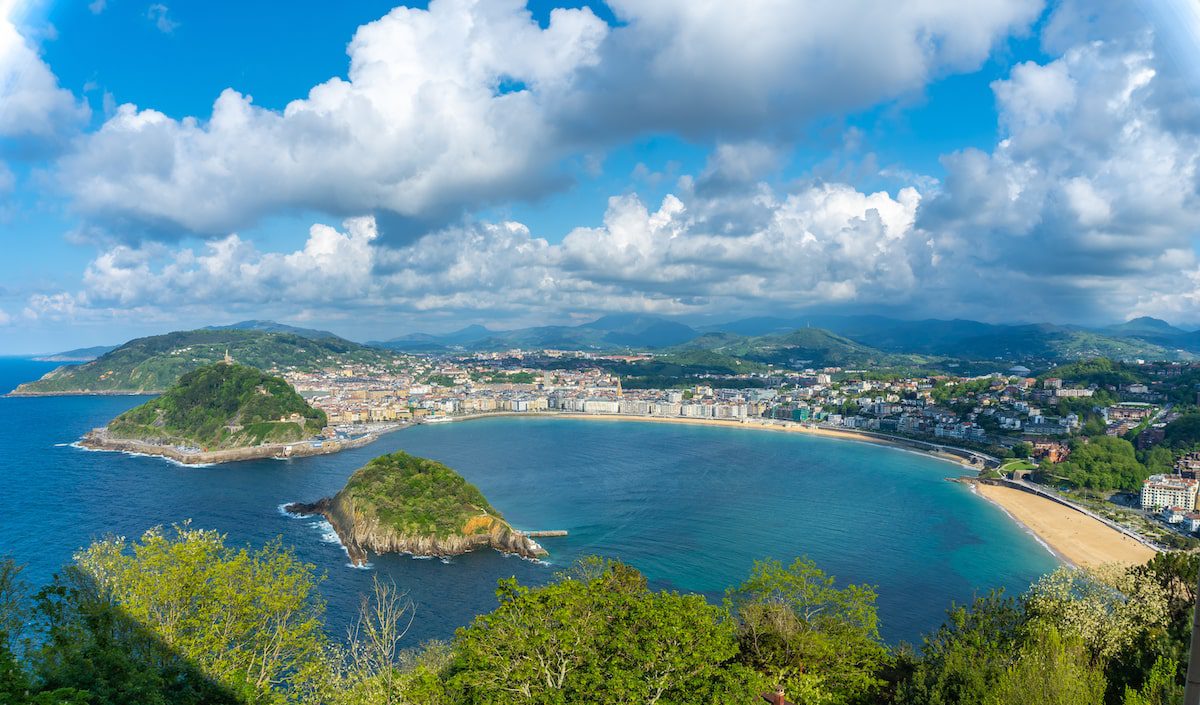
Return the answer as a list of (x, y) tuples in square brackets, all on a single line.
[(179, 617)]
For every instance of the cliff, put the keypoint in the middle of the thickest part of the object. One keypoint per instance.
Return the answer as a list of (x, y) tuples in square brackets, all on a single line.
[(399, 503)]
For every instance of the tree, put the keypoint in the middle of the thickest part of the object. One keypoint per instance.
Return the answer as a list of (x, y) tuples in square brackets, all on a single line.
[(1158, 460), (597, 636), (1103, 463), (1051, 670), (1107, 609), (961, 663), (372, 669), (1161, 687), (1022, 450), (182, 608), (794, 624)]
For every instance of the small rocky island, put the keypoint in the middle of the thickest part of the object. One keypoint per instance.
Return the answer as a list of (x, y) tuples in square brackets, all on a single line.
[(400, 503), (220, 413)]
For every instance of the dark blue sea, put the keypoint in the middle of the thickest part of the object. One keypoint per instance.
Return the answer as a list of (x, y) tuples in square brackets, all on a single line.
[(691, 507)]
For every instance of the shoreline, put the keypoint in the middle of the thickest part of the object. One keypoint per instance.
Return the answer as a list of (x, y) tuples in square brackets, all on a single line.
[(97, 440), (18, 394), (925, 448), (1071, 536)]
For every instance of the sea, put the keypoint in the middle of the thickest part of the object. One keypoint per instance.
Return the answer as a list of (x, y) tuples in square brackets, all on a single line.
[(692, 507)]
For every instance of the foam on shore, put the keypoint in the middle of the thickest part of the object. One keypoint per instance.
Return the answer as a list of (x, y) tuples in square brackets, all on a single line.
[(134, 454)]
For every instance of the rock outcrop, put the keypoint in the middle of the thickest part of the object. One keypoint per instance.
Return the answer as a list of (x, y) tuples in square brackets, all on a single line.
[(361, 528)]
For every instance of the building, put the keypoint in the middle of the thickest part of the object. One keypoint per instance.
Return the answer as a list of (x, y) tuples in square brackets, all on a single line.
[(1168, 491)]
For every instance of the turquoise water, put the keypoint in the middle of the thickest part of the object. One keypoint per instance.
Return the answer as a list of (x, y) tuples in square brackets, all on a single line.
[(692, 507)]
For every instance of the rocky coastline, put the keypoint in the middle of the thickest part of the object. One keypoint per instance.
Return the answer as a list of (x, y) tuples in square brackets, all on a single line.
[(102, 439), (360, 533)]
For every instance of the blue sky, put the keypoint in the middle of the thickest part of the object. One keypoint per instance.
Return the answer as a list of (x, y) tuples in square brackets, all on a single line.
[(164, 165)]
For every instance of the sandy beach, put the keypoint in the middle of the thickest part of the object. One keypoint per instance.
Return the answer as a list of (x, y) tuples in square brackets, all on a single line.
[(1075, 537)]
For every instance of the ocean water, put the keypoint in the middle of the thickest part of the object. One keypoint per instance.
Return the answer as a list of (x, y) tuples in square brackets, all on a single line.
[(691, 507)]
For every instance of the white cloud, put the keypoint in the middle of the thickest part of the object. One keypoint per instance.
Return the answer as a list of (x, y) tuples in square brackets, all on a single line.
[(471, 103), (819, 244), (33, 107), (419, 128), (1088, 207), (159, 15), (5, 319), (97, 6), (695, 66)]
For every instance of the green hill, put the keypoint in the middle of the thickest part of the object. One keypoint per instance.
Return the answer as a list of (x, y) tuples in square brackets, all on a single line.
[(152, 364), (222, 406), (807, 346), (400, 503), (416, 496)]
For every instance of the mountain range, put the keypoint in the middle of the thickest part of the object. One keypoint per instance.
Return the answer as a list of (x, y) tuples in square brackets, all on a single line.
[(1146, 338), (153, 363)]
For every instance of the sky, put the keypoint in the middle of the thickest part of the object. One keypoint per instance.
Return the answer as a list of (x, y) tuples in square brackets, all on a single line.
[(375, 169)]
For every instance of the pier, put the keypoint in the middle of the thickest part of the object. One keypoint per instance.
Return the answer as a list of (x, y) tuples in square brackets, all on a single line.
[(545, 534)]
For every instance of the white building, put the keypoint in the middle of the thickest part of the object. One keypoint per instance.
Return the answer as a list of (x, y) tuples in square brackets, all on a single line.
[(1168, 491)]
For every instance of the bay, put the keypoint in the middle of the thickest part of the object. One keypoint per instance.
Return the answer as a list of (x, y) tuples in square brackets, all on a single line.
[(691, 507)]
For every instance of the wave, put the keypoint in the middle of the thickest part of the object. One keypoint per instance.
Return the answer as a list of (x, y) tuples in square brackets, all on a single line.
[(537, 561), (133, 454), (293, 515)]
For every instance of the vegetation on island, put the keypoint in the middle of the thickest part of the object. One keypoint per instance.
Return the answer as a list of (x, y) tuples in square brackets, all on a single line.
[(155, 363), (416, 497), (180, 617), (222, 406)]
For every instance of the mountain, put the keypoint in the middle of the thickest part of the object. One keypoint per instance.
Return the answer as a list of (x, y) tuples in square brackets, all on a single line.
[(400, 503), (273, 327), (77, 355), (806, 347), (425, 342), (1145, 325), (221, 406), (966, 339), (152, 364), (641, 331), (615, 332)]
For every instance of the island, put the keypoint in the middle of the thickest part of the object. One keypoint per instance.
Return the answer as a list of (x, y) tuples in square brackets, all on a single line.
[(400, 503), (221, 413)]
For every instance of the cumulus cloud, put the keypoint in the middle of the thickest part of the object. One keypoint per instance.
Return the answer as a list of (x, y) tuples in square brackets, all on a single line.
[(442, 108), (472, 103), (35, 112), (1088, 205), (704, 66), (824, 242)]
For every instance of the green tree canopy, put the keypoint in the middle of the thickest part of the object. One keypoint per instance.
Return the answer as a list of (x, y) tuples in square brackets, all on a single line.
[(796, 625), (1102, 463), (597, 636)]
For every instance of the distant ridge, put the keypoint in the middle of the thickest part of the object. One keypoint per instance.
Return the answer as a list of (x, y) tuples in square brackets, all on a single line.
[(154, 363), (958, 338), (274, 327), (77, 355)]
